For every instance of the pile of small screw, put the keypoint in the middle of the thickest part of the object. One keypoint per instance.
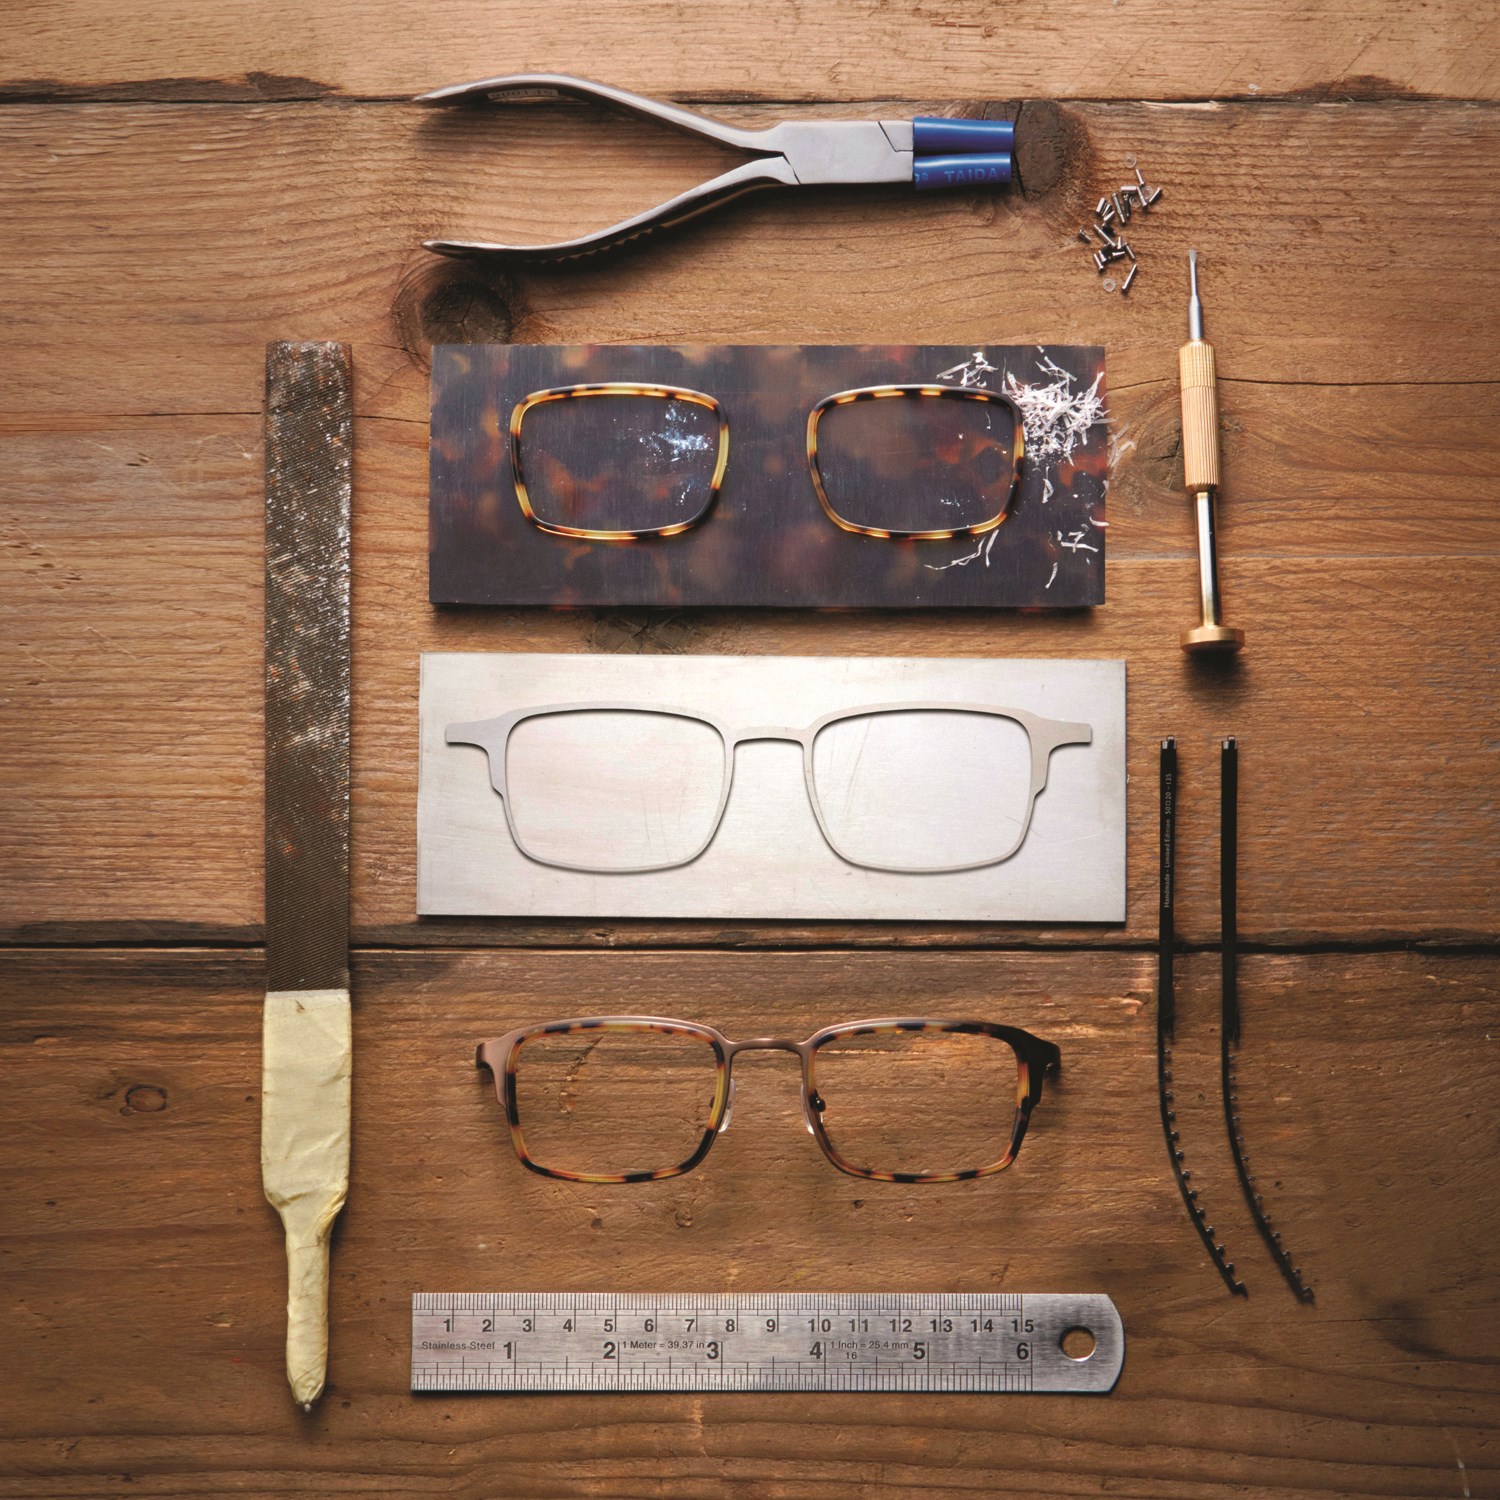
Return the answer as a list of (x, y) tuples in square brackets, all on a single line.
[(1112, 215)]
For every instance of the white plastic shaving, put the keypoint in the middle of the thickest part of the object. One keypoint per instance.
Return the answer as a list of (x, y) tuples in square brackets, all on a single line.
[(971, 372), (986, 542), (1055, 417)]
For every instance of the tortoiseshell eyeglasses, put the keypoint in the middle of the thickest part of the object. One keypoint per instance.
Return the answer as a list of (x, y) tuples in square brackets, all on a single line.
[(640, 1098), (907, 462)]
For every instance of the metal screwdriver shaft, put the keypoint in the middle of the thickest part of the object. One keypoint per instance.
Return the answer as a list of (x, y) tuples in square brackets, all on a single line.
[(1200, 467)]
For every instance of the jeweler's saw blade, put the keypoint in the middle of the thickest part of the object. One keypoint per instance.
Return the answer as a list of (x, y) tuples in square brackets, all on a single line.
[(309, 447), (1229, 1012)]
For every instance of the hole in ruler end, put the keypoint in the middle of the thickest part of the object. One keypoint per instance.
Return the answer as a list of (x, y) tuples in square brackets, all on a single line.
[(1078, 1344)]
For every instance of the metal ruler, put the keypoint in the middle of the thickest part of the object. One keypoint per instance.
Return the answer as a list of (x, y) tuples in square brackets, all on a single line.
[(788, 1341)]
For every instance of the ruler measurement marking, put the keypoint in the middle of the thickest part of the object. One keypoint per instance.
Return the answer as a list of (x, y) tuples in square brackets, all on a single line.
[(847, 1342)]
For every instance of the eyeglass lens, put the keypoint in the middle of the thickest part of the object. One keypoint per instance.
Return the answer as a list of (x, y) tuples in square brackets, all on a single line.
[(614, 789), (618, 462), (604, 1101), (925, 1102), (917, 463), (923, 788)]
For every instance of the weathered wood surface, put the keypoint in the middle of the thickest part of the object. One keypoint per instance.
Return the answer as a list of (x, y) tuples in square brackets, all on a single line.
[(846, 49), (187, 182), (141, 1316), (199, 233), (1368, 805), (1361, 472)]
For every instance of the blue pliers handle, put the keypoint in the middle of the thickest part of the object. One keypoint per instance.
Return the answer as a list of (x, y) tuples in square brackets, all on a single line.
[(928, 152)]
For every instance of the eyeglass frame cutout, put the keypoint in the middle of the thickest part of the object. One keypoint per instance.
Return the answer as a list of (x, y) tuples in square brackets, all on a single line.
[(1035, 1058), (815, 416), (615, 388), (1043, 736)]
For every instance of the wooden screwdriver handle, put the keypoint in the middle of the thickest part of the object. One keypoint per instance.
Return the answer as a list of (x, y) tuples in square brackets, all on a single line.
[(1200, 416)]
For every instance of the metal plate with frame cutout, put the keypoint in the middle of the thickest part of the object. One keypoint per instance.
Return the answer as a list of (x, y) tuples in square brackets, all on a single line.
[(767, 788)]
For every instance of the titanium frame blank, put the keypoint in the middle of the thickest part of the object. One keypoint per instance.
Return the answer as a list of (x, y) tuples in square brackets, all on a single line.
[(1043, 736)]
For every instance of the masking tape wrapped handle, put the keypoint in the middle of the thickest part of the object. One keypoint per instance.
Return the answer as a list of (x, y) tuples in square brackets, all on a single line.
[(304, 1158)]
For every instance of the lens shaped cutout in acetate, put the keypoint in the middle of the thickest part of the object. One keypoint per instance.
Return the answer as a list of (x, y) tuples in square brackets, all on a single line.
[(923, 789), (618, 462), (614, 789), (919, 462), (617, 1101), (929, 1102)]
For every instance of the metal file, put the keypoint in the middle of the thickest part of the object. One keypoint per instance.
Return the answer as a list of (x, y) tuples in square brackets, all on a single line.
[(306, 1058)]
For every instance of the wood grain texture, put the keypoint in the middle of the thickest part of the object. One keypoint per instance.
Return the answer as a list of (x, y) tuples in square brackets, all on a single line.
[(149, 250), (1338, 836), (142, 1314), (849, 49), (143, 806), (130, 500), (200, 233)]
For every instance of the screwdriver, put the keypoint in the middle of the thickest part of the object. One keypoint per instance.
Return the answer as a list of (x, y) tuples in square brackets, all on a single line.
[(1200, 468)]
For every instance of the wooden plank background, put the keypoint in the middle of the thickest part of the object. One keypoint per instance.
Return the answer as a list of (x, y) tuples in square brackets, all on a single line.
[(181, 182)]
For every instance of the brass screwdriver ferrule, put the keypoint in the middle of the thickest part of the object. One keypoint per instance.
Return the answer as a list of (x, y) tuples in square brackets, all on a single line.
[(1200, 469)]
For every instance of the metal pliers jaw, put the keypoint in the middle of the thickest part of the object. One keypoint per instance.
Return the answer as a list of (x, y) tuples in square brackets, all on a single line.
[(791, 154)]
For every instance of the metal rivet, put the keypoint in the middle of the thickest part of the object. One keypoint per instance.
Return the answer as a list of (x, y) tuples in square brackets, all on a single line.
[(1129, 279)]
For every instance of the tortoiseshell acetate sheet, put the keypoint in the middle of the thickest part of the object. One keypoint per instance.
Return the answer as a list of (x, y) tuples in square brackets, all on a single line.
[(766, 539)]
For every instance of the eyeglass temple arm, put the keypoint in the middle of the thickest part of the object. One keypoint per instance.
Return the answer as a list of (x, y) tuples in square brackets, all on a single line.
[(1052, 734), (481, 734), (1046, 1063), (477, 733)]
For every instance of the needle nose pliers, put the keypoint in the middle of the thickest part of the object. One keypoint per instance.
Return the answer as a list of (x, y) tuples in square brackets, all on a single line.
[(928, 152)]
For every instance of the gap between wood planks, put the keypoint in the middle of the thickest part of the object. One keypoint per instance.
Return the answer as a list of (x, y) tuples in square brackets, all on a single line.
[(753, 944), (226, 93)]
